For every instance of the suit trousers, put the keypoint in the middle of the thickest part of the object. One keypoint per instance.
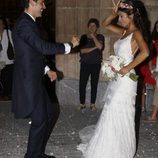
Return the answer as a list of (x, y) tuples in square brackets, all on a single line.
[(86, 71), (43, 118)]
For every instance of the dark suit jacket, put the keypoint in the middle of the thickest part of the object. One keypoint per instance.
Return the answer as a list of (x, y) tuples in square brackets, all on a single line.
[(28, 87)]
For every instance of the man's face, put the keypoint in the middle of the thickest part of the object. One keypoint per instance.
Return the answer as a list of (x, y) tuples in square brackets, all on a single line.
[(38, 8)]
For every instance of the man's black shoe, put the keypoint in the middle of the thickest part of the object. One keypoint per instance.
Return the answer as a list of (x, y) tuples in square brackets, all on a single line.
[(47, 156)]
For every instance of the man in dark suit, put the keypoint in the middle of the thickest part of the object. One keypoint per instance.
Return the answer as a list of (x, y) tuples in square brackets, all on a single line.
[(30, 99)]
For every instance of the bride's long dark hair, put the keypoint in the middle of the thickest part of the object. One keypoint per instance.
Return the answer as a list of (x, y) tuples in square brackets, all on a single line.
[(140, 16)]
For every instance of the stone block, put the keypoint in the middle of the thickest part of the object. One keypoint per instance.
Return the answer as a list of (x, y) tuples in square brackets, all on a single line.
[(69, 64), (83, 3), (69, 21), (152, 3), (106, 3), (60, 23), (60, 3)]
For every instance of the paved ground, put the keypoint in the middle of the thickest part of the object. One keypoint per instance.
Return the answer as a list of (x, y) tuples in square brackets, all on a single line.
[(13, 134)]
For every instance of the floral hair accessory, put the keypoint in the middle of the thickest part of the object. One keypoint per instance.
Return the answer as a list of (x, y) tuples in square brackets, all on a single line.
[(125, 5)]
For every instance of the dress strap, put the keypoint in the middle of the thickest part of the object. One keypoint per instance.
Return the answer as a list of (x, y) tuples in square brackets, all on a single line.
[(124, 32)]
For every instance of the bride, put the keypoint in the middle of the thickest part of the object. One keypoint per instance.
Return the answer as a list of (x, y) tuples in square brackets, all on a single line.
[(114, 135)]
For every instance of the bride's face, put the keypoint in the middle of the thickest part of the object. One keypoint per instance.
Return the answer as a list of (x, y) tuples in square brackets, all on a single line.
[(124, 19)]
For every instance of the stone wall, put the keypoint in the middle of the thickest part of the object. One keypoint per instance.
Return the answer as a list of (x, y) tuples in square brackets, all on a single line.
[(71, 18)]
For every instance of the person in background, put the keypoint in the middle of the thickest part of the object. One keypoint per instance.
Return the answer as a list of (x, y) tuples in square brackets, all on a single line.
[(155, 45), (6, 74), (91, 48), (30, 98), (148, 83), (152, 65), (10, 23), (153, 117), (154, 68)]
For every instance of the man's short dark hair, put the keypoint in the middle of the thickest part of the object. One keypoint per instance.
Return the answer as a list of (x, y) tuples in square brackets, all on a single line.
[(25, 3), (95, 21)]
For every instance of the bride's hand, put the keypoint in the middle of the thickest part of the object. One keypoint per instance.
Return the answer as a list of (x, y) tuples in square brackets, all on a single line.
[(123, 71), (115, 7)]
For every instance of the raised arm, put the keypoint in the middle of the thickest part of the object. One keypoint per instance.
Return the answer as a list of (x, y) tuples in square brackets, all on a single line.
[(107, 23)]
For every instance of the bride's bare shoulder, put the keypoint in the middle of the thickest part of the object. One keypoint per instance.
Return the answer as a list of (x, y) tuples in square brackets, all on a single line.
[(137, 34)]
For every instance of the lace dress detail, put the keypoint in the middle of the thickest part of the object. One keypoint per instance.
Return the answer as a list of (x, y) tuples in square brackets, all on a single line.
[(114, 134)]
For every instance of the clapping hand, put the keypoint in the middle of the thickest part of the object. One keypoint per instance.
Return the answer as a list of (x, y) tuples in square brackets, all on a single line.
[(75, 41)]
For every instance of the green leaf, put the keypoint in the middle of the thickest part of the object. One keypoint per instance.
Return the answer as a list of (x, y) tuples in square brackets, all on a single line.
[(133, 76)]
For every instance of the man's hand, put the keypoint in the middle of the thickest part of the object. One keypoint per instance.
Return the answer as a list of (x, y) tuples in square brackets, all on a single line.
[(75, 41), (52, 75)]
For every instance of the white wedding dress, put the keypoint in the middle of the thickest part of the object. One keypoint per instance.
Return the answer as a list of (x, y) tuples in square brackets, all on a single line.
[(114, 135)]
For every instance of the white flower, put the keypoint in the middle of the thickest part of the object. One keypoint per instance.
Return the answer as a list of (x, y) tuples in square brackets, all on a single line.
[(104, 66), (113, 64)]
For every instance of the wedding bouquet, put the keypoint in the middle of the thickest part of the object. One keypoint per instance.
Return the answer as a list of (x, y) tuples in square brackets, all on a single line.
[(113, 64)]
